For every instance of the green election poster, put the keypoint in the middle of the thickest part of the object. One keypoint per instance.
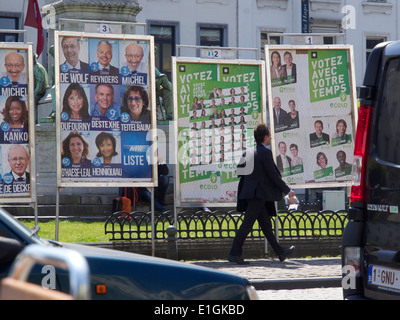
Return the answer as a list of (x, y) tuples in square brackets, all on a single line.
[(329, 74), (312, 109), (218, 104)]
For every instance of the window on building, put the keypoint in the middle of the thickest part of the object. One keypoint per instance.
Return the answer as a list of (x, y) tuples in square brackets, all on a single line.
[(273, 40), (371, 42), (165, 43), (9, 23), (213, 37), (325, 30), (329, 40)]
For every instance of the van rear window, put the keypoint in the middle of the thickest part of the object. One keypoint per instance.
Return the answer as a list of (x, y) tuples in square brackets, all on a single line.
[(388, 131)]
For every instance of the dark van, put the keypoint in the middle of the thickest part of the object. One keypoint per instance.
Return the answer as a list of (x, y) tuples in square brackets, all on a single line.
[(371, 241)]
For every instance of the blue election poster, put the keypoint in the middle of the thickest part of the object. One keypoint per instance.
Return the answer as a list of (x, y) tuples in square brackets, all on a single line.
[(105, 110)]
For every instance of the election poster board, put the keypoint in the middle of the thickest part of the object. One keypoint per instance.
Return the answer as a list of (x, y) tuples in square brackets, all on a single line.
[(17, 123), (313, 110), (105, 110), (218, 103)]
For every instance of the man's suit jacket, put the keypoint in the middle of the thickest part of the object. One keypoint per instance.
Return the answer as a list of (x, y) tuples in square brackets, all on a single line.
[(113, 71), (259, 178), (27, 175), (84, 68), (27, 179), (279, 163), (315, 141), (283, 116)]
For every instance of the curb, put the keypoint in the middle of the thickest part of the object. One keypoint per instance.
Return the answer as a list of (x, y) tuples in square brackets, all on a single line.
[(296, 283)]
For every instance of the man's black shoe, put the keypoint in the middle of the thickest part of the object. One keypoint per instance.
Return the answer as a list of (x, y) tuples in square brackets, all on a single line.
[(286, 252), (237, 259)]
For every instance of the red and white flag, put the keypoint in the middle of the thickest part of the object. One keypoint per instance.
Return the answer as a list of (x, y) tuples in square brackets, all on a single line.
[(34, 19)]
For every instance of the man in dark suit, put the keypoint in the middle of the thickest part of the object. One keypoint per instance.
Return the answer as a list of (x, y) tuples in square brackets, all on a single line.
[(71, 48), (214, 94), (104, 56), (282, 160), (18, 159), (280, 115), (289, 67), (260, 185), (318, 138)]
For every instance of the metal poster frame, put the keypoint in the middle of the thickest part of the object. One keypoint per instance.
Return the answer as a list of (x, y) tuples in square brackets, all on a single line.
[(305, 49), (125, 182), (32, 198), (179, 201)]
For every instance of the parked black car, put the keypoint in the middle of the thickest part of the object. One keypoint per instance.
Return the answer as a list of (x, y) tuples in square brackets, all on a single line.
[(122, 275), (371, 241)]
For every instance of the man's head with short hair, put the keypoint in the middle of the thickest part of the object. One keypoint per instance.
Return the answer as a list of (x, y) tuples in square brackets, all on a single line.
[(260, 132), (14, 64), (133, 55), (18, 159), (318, 126), (341, 157), (104, 53), (277, 103), (104, 96), (71, 48), (282, 148)]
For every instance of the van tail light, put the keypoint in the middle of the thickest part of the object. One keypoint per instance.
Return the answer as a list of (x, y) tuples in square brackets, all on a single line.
[(358, 172)]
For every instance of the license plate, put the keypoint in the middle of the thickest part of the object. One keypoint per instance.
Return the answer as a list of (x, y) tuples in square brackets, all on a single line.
[(386, 278)]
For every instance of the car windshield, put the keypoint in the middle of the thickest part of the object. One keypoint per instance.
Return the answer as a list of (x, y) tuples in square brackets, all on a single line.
[(13, 223)]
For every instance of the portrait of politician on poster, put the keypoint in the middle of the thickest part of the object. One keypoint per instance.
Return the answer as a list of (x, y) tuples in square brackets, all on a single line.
[(15, 119), (218, 106), (313, 108), (105, 108)]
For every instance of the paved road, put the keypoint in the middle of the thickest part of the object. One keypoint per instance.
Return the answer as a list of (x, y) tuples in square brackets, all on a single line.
[(308, 279), (273, 269), (302, 294)]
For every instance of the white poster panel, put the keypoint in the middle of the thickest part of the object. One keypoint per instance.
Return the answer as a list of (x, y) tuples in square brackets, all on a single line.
[(17, 123), (313, 110), (105, 110), (218, 103)]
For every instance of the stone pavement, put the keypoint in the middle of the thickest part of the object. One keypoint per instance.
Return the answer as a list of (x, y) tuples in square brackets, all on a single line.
[(320, 294), (295, 273)]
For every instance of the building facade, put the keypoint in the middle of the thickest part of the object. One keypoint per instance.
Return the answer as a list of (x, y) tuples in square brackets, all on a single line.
[(240, 23), (178, 26), (248, 23)]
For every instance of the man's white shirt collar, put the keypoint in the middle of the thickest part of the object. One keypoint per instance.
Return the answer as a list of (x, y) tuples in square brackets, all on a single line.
[(101, 67), (16, 177), (78, 65)]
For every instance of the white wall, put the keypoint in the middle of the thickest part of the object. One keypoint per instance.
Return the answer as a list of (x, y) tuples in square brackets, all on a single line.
[(247, 18)]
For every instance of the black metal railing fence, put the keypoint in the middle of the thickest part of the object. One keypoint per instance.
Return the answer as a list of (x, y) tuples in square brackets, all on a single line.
[(219, 224)]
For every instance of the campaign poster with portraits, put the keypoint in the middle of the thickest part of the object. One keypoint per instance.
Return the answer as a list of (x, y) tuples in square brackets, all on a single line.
[(217, 106), (17, 165), (105, 109), (313, 110)]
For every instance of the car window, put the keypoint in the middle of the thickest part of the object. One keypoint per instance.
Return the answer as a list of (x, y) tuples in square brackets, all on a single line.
[(3, 233), (10, 227), (388, 131)]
